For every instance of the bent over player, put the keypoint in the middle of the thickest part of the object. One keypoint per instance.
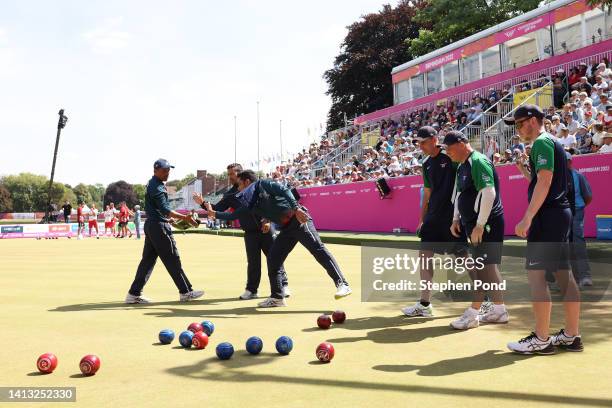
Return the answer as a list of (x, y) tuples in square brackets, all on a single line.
[(272, 201)]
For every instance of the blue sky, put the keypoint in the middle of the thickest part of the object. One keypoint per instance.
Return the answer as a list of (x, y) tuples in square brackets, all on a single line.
[(146, 79)]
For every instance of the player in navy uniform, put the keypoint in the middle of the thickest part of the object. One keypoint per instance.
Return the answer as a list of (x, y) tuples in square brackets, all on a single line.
[(546, 225), (436, 215), (478, 212)]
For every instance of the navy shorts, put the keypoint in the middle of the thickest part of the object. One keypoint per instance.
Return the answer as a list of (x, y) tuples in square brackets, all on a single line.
[(490, 249), (436, 236), (548, 240)]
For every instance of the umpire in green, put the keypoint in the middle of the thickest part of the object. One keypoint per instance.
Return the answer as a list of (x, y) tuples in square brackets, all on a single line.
[(159, 241)]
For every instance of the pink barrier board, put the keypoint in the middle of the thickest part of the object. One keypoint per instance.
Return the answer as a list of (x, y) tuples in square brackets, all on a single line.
[(358, 207)]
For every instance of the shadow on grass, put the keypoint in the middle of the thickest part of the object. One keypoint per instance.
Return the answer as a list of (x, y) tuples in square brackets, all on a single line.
[(396, 335), (488, 360), (233, 371), (124, 306)]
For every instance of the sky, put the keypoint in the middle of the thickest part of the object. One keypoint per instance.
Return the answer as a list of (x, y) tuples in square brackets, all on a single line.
[(141, 80)]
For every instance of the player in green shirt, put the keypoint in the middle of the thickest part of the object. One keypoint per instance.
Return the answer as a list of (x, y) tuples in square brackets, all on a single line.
[(546, 225), (479, 212)]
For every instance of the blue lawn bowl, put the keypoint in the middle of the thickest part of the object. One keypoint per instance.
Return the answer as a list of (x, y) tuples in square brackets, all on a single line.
[(166, 336), (185, 338), (254, 345), (224, 351), (208, 327), (284, 345)]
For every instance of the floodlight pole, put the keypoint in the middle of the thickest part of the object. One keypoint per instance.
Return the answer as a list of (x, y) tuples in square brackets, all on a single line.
[(61, 123)]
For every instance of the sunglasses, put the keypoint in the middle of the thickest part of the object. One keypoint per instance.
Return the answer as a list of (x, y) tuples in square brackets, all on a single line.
[(519, 123)]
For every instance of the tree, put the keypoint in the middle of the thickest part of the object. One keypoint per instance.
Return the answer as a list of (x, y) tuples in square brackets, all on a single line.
[(444, 22), (596, 3), (68, 196), (140, 190), (82, 193), (6, 203), (25, 190), (29, 191), (96, 191), (182, 182), (120, 191), (360, 81)]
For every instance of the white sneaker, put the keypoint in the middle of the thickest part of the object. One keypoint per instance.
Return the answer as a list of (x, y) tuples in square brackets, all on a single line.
[(569, 343), (418, 310), (194, 294), (272, 302), (79, 237), (468, 320), (286, 291), (248, 295), (532, 345), (343, 291), (485, 307), (497, 314), (132, 299)]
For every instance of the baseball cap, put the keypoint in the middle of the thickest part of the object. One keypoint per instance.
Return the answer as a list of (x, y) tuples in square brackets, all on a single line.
[(425, 133), (454, 136), (162, 164), (525, 112)]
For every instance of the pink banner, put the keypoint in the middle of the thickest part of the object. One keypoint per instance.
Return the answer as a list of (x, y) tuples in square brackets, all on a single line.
[(524, 28), (358, 207)]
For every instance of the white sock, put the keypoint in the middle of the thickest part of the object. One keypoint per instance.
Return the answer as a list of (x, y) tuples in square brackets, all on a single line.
[(499, 308)]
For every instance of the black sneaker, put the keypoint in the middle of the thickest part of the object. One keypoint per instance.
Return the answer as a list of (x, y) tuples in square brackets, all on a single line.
[(569, 343)]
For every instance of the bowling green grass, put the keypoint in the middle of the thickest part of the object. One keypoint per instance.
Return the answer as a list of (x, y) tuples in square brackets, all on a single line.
[(65, 296)]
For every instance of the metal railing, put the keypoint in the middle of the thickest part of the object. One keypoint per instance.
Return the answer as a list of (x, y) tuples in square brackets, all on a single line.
[(501, 133), (355, 148)]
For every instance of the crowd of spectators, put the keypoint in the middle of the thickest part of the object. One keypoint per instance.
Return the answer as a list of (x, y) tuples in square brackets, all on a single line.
[(580, 118)]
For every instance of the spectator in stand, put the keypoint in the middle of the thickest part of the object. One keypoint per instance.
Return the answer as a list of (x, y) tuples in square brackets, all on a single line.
[(607, 119), (574, 77), (588, 119), (543, 79), (607, 146), (583, 85), (598, 133), (496, 159), (588, 107), (550, 113), (559, 91), (507, 157), (547, 125), (556, 125), (584, 140), (603, 102), (577, 113), (567, 141), (491, 147), (67, 209), (516, 144), (571, 124)]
